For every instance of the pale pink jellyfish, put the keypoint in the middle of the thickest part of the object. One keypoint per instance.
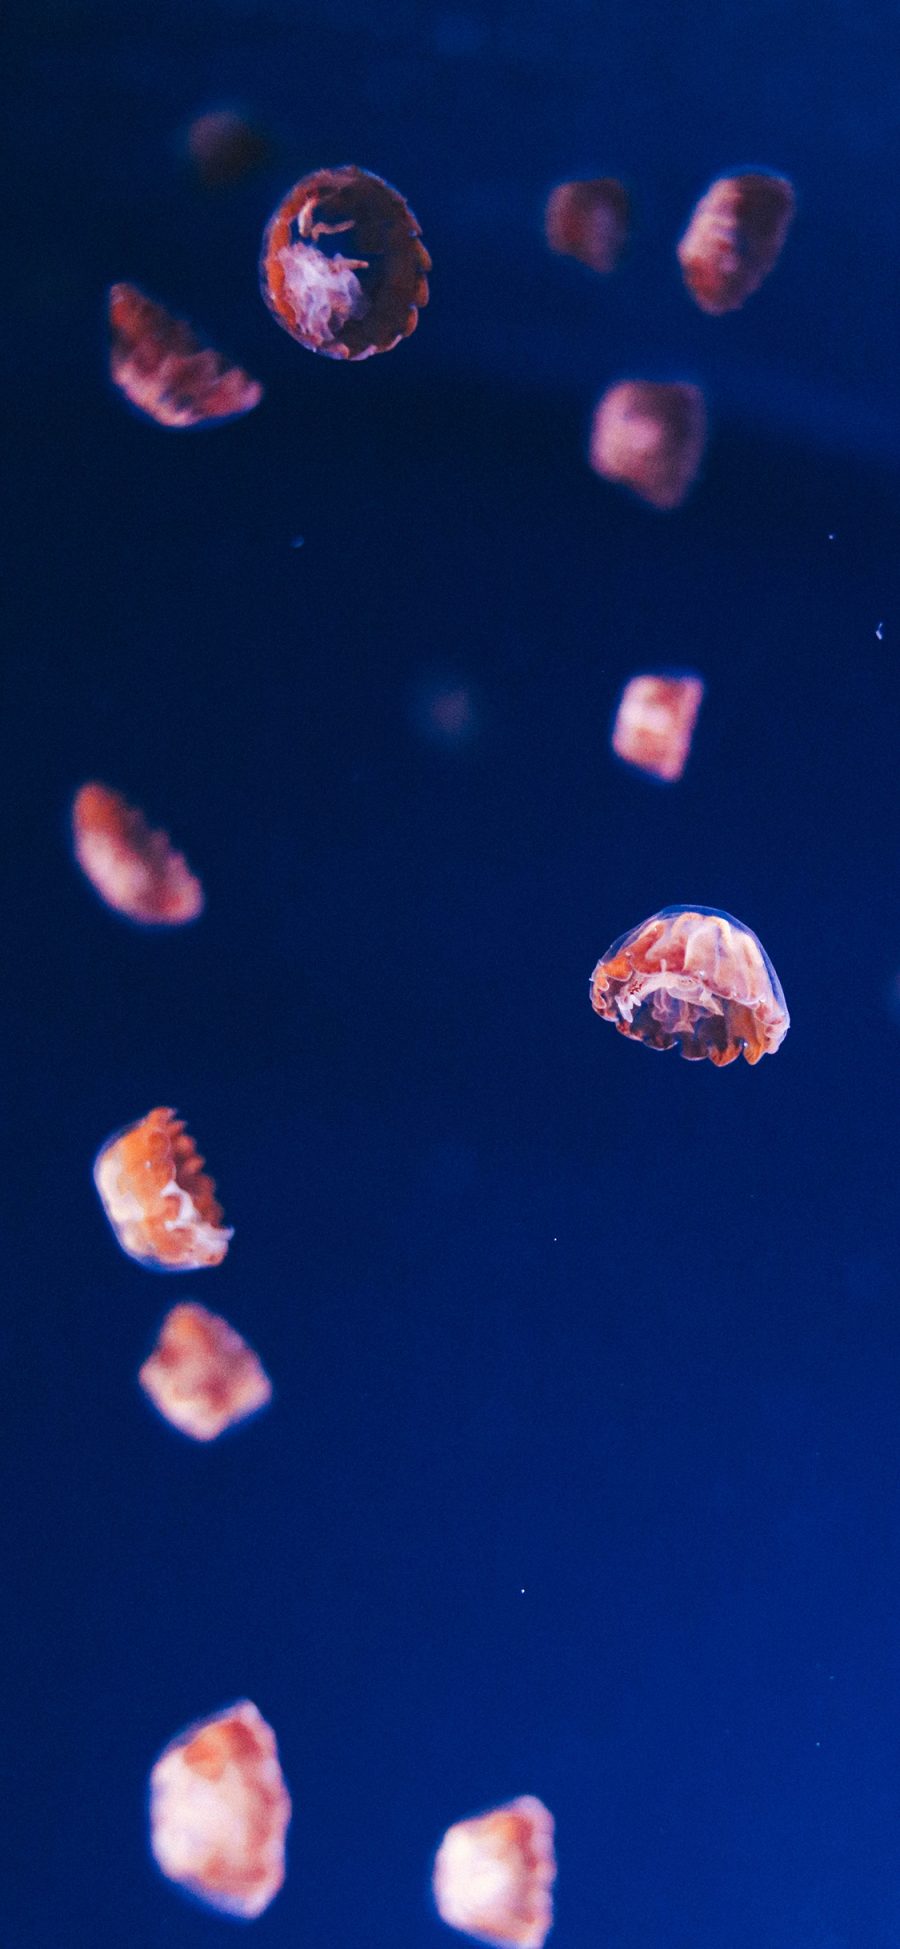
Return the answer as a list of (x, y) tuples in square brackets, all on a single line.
[(735, 238), (655, 724), (135, 869), (160, 1202), (493, 1875), (202, 1376), (694, 978), (219, 1811), (650, 438), (166, 371), (589, 220), (343, 265)]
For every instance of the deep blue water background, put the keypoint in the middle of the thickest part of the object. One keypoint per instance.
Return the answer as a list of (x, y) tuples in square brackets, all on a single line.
[(583, 1473)]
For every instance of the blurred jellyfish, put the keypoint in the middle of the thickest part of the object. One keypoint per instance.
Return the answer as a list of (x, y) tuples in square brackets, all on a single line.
[(655, 724), (734, 239), (445, 710), (158, 1199), (494, 1874), (164, 369), (219, 1811), (695, 977), (202, 1376), (651, 438), (135, 870), (589, 220), (355, 296), (224, 147)]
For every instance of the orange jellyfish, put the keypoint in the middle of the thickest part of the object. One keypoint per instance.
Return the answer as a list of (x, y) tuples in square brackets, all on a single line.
[(734, 239), (695, 977), (651, 438), (224, 148), (201, 1375), (158, 1198), (164, 369), (589, 220), (134, 869), (343, 266), (655, 724), (493, 1875), (219, 1812)]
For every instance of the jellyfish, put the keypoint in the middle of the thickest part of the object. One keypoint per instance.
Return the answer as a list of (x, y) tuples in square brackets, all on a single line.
[(343, 266), (135, 870), (164, 369), (224, 147), (201, 1375), (219, 1811), (589, 220), (494, 1874), (734, 239), (651, 438), (695, 977), (655, 723), (158, 1199)]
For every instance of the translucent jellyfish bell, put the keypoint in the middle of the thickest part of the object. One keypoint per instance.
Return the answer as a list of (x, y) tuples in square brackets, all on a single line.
[(201, 1375), (734, 239), (494, 1874), (159, 1200), (589, 220), (134, 868), (650, 438), (343, 266), (219, 1812), (695, 978), (166, 371), (655, 723)]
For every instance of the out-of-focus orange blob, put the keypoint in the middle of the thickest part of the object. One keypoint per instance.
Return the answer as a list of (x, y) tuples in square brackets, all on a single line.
[(355, 297), (734, 239), (493, 1875), (650, 438), (697, 978), (589, 220), (655, 724), (158, 1199), (224, 148), (219, 1811), (134, 869), (202, 1375), (165, 370)]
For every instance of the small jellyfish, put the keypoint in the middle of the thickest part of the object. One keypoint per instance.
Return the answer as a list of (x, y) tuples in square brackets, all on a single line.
[(695, 977), (219, 1812), (354, 297), (651, 438), (734, 239), (201, 1375), (158, 1198), (164, 369), (655, 724), (224, 147), (135, 870), (494, 1874), (589, 220)]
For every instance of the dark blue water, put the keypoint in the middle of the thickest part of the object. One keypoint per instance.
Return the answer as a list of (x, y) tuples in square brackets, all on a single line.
[(581, 1478)]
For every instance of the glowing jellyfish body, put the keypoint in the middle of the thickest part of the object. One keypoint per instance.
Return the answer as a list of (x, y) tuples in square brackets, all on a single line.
[(734, 239), (224, 148), (655, 724), (650, 438), (166, 371), (589, 221), (202, 1376), (343, 266), (695, 978), (219, 1812), (493, 1875), (158, 1199), (135, 870)]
